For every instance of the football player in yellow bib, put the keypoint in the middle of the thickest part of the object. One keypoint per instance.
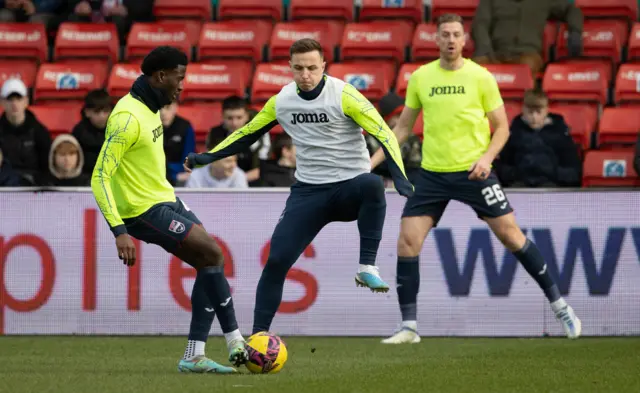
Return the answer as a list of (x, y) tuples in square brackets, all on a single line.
[(459, 100)]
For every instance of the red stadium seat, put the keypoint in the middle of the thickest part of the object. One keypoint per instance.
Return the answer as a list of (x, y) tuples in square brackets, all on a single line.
[(58, 119), (418, 127), (69, 82), (464, 8), (275, 130), (325, 9), (234, 39), (600, 39), (609, 168), (424, 45), (24, 41), (209, 83), (250, 9), (619, 9), (328, 33), (513, 79), (576, 82), (376, 40), (634, 43), (619, 127), (370, 78), (548, 40), (403, 77), (268, 80), (580, 126), (25, 70), (143, 37), (191, 9), (376, 9), (202, 116), (243, 68), (87, 40), (121, 78), (628, 85), (513, 109)]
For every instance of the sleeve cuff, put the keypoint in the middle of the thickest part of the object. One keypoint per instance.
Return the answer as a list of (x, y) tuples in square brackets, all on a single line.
[(119, 230)]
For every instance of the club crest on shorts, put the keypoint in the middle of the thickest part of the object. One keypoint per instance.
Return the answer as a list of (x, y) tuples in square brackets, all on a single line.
[(176, 226)]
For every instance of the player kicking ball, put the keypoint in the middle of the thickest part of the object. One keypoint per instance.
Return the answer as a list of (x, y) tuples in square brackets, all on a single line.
[(130, 186), (324, 117), (457, 96)]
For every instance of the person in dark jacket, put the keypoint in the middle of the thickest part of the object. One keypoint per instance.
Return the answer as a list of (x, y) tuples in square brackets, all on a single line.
[(540, 152), (280, 171), (90, 131), (511, 31), (179, 140), (9, 177), (120, 12), (24, 140), (65, 164)]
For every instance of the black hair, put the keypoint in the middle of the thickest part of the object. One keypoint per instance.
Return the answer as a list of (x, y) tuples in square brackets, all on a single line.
[(98, 99), (280, 141), (234, 102), (163, 58), (213, 140)]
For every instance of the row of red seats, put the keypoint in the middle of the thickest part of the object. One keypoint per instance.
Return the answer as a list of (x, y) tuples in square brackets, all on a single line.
[(369, 9)]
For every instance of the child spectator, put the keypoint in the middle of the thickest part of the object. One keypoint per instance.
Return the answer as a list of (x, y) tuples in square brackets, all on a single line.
[(179, 140), (90, 131), (280, 171), (219, 174), (65, 164)]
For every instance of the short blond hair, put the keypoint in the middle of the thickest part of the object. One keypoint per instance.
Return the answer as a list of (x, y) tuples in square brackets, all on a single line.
[(449, 18)]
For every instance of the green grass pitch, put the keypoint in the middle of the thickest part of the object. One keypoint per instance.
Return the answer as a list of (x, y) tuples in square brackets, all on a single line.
[(349, 365)]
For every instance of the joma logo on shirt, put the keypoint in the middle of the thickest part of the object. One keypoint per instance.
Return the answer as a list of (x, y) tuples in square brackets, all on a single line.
[(297, 118), (157, 133), (441, 90)]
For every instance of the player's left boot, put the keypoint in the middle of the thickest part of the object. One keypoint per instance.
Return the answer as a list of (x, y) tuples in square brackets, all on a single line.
[(238, 352), (202, 365), (570, 322), (368, 276)]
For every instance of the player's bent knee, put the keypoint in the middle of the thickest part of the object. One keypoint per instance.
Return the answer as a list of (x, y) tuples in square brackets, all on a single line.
[(372, 186), (211, 255), (409, 244)]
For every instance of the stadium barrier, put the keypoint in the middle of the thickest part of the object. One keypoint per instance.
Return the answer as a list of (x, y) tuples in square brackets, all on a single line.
[(59, 272)]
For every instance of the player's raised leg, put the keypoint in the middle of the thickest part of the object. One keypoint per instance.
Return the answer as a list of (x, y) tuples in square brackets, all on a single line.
[(303, 217)]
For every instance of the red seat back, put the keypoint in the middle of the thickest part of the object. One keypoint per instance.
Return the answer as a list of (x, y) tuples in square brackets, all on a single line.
[(23, 40), (619, 127), (576, 82), (58, 119), (580, 125), (513, 79), (628, 84), (242, 67), (234, 39), (209, 83), (609, 168), (634, 43), (328, 33), (403, 77), (68, 81), (268, 80), (250, 9), (600, 39), (121, 79), (326, 9), (202, 116), (371, 79), (412, 10), (25, 70), (87, 40), (191, 9), (376, 40), (620, 9), (144, 37), (464, 8)]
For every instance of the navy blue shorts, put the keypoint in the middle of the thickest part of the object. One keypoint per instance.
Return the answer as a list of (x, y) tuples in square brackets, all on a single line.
[(165, 224), (434, 190)]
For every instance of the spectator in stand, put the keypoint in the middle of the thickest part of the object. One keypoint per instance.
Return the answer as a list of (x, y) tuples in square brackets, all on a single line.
[(511, 31), (540, 152), (90, 131), (219, 174), (636, 160), (23, 139), (120, 12), (235, 114), (65, 164), (9, 177), (34, 11), (179, 140), (280, 171)]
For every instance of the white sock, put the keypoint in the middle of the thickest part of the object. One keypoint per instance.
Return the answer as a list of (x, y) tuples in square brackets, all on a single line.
[(232, 336), (194, 348), (558, 305), (410, 324)]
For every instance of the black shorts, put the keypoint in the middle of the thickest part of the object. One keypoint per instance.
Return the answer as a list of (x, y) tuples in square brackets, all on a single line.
[(165, 224), (434, 190)]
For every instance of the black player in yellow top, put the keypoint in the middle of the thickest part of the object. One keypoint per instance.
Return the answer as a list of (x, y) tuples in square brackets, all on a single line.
[(459, 99), (130, 186)]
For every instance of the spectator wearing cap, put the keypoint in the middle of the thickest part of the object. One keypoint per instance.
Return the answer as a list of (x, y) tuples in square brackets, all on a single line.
[(23, 139), (179, 140), (34, 11), (90, 131), (65, 164), (9, 177), (280, 171)]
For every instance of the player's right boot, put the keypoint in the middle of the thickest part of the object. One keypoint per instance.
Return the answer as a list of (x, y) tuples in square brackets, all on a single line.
[(202, 365), (570, 322), (405, 335), (368, 276), (238, 352)]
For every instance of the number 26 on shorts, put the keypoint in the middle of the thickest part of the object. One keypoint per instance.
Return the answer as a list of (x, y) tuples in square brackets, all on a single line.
[(493, 194)]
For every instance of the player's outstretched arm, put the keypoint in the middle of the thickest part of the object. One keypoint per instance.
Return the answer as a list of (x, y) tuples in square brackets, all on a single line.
[(402, 130), (238, 140), (360, 110)]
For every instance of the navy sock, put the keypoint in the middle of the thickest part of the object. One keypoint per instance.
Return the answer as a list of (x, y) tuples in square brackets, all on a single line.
[(371, 221), (202, 312), (217, 289), (408, 285), (268, 296), (531, 258)]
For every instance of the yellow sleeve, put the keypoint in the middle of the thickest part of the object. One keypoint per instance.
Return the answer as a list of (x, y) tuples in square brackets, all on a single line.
[(242, 137), (412, 99), (491, 98), (361, 111), (121, 133)]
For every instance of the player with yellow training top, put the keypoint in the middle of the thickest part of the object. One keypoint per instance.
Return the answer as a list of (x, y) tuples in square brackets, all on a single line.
[(459, 99), (130, 185), (324, 117)]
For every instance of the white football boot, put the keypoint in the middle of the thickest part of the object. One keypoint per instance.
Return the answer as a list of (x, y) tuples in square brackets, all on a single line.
[(570, 322), (405, 335)]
